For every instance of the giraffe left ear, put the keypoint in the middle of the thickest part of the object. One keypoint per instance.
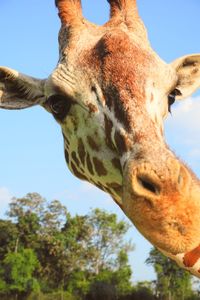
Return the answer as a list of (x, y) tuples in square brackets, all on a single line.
[(19, 91), (188, 72)]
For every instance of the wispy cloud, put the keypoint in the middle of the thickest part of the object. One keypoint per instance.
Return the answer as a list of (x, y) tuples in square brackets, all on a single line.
[(183, 130), (186, 117)]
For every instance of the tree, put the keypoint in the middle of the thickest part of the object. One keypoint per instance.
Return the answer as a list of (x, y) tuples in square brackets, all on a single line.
[(26, 214), (172, 282), (54, 216), (122, 276), (18, 270), (143, 290), (32, 203), (109, 255), (73, 252), (8, 237), (106, 239), (62, 252), (88, 248)]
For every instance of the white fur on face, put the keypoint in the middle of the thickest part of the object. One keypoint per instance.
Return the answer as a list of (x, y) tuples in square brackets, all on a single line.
[(157, 90)]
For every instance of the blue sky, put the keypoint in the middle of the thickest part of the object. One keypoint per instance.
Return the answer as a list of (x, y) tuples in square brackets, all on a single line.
[(31, 147)]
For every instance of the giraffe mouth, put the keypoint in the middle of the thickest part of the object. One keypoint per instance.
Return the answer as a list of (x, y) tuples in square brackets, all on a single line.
[(189, 260)]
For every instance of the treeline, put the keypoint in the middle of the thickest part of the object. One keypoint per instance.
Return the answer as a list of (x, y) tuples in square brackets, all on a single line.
[(46, 254)]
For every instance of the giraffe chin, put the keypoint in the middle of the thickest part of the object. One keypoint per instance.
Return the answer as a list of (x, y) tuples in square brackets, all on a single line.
[(189, 260)]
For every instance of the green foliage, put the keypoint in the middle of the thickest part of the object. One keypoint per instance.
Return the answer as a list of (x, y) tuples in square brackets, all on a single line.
[(79, 283), (64, 253), (102, 290), (3, 287), (18, 271), (143, 290), (106, 239), (172, 281), (8, 237), (123, 274)]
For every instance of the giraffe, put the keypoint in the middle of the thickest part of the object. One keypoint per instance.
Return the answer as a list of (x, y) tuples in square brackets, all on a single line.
[(110, 93)]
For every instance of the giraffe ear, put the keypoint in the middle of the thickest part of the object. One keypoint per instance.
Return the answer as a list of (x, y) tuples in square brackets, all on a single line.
[(19, 91), (188, 72)]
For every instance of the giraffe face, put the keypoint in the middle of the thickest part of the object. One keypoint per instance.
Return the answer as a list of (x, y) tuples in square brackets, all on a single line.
[(120, 96)]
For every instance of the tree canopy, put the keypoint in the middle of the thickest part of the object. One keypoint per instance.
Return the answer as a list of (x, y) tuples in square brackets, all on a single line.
[(46, 253), (45, 248)]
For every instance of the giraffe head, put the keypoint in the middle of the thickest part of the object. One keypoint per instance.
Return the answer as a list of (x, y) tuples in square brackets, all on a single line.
[(110, 92)]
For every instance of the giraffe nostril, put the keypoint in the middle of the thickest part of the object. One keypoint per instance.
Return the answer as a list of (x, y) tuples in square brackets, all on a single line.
[(148, 185)]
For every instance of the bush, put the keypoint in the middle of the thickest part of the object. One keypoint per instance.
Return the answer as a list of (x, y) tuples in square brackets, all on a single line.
[(102, 291), (51, 296)]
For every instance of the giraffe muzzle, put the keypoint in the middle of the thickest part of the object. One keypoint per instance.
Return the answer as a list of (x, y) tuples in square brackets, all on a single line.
[(164, 205)]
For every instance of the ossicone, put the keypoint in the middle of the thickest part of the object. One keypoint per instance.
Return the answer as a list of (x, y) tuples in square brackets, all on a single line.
[(70, 12), (123, 9)]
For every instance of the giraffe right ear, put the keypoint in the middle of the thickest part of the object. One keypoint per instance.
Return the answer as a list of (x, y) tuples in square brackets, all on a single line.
[(19, 91), (188, 73)]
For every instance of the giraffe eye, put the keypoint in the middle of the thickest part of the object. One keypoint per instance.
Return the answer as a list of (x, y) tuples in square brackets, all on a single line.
[(59, 106), (172, 98)]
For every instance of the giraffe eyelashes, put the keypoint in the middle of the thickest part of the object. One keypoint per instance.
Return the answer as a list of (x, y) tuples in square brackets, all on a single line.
[(172, 98), (59, 106)]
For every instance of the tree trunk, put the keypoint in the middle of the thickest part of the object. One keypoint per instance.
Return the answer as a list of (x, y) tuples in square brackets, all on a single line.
[(16, 245)]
